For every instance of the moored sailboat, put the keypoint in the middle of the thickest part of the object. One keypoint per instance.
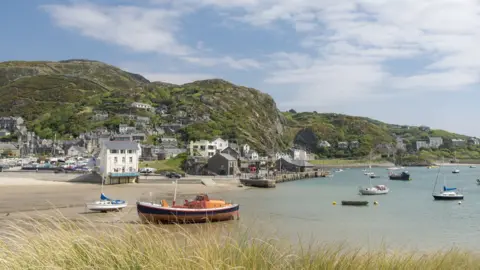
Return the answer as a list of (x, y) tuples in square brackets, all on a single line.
[(447, 193)]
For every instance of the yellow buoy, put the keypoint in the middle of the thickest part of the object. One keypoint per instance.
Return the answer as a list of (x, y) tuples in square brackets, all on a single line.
[(334, 203), (375, 203)]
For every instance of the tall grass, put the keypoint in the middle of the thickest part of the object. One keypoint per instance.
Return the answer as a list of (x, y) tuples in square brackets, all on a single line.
[(58, 243)]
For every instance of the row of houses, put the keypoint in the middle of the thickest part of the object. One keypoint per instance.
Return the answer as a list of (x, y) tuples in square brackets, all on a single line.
[(436, 142), (340, 145)]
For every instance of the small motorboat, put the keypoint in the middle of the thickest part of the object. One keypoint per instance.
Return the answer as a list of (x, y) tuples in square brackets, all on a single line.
[(338, 170), (106, 204), (472, 166), (376, 190), (404, 176), (355, 203), (456, 171), (432, 167), (478, 181), (201, 209), (369, 173), (374, 176)]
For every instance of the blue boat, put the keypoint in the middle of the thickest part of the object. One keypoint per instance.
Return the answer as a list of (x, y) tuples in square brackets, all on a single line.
[(106, 204)]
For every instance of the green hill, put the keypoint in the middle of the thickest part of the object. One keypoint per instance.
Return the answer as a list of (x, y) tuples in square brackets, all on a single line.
[(62, 97)]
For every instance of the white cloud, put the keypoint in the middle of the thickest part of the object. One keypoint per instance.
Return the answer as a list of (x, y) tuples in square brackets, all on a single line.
[(142, 29), (139, 29), (344, 47), (353, 41)]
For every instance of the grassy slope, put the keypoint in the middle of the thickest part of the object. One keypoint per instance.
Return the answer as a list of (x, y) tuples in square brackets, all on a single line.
[(63, 244)]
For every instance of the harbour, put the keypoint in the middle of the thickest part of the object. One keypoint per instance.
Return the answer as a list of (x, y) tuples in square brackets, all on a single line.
[(406, 218)]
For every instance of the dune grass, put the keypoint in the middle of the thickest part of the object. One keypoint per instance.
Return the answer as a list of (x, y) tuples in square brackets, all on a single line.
[(58, 243)]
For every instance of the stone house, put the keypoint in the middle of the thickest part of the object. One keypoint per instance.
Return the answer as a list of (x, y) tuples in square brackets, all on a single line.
[(223, 164)]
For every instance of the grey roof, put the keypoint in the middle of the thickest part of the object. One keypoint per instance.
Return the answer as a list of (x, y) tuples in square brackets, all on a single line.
[(121, 145), (7, 146), (228, 157), (299, 163)]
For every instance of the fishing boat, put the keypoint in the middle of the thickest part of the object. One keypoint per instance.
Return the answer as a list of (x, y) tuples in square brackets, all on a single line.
[(472, 166), (404, 176), (446, 193), (201, 209), (355, 203), (106, 204), (374, 176), (478, 181), (456, 171)]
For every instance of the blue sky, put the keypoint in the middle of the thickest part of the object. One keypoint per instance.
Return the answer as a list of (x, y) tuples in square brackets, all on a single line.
[(361, 57)]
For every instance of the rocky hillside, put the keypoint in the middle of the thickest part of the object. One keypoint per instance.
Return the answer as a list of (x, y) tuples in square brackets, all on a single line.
[(62, 97)]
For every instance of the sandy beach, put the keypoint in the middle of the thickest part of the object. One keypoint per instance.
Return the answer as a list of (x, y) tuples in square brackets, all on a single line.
[(22, 196)]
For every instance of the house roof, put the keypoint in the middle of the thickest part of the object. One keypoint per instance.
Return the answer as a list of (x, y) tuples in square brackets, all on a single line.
[(7, 146), (227, 156), (121, 145), (299, 163)]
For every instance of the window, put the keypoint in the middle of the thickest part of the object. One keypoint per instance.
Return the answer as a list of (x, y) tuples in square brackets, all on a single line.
[(131, 159), (113, 151), (131, 169), (122, 151), (123, 159), (115, 159), (130, 151)]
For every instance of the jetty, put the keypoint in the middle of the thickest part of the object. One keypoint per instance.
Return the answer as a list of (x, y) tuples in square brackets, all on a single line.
[(271, 180)]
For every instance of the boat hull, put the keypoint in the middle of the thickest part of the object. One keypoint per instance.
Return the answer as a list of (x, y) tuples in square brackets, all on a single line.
[(105, 208), (447, 198), (400, 178), (373, 192), (154, 213), (355, 203)]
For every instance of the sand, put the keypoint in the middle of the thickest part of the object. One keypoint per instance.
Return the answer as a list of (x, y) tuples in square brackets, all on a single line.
[(22, 196)]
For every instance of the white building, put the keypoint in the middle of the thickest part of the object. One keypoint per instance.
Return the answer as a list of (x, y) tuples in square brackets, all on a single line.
[(245, 149), (119, 161), (421, 144), (202, 148), (252, 155), (435, 142), (299, 154), (75, 151), (144, 106), (220, 144)]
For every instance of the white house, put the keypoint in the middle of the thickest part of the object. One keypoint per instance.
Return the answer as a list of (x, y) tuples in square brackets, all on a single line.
[(245, 149), (119, 161), (299, 154), (220, 144), (421, 144), (435, 142), (252, 155), (75, 151), (144, 106), (202, 148)]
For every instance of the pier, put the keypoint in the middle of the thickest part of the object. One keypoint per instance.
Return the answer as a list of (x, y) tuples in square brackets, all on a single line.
[(288, 177)]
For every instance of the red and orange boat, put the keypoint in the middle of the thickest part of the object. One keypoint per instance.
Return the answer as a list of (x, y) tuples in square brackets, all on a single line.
[(201, 209)]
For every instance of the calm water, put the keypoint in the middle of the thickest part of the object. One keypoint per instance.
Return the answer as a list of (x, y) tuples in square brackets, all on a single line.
[(407, 217)]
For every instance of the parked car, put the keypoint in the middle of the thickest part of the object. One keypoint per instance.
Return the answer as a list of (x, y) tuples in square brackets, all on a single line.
[(173, 175)]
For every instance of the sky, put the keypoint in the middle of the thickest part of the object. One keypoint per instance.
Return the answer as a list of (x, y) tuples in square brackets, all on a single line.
[(399, 61)]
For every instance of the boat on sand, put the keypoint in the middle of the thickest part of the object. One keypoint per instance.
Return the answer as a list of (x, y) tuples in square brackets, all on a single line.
[(201, 209), (106, 204)]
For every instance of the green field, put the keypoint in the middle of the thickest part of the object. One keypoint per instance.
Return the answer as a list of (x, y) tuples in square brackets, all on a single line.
[(171, 165)]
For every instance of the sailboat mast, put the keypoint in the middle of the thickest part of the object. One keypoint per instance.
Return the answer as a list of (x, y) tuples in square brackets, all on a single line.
[(175, 192)]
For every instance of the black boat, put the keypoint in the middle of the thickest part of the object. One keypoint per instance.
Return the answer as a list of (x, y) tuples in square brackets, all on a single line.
[(355, 203), (404, 176)]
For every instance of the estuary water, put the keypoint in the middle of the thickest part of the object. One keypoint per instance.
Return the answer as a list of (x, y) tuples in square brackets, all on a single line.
[(406, 218)]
